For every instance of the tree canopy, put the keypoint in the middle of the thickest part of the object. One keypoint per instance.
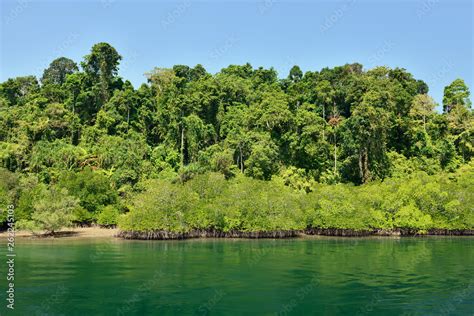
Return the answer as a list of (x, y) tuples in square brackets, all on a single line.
[(90, 135)]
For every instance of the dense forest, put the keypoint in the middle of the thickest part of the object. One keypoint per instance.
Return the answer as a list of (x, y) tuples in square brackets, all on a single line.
[(242, 150)]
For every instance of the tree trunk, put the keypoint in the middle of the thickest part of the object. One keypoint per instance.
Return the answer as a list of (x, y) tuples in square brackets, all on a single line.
[(324, 118), (241, 159), (182, 145), (335, 156), (73, 114), (364, 165), (128, 118)]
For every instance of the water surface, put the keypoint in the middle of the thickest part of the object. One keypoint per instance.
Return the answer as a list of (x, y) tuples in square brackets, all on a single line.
[(317, 276)]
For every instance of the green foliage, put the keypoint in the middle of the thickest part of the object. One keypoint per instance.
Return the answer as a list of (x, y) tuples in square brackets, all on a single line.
[(162, 206), (211, 202), (29, 187), (253, 205), (18, 90), (297, 179), (8, 191), (417, 203), (409, 216), (102, 65), (58, 70), (108, 216), (49, 159), (401, 166), (93, 189), (53, 209), (261, 162), (456, 94), (124, 157), (274, 140)]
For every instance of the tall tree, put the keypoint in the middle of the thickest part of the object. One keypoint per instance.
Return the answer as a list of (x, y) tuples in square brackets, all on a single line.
[(324, 97), (58, 70), (102, 65), (457, 93), (295, 74), (422, 107), (17, 90), (369, 127)]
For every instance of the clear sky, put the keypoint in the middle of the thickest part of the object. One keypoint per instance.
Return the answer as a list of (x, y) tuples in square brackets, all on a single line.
[(433, 39)]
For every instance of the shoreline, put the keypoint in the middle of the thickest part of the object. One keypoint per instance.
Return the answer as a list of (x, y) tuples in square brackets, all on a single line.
[(72, 233), (166, 235), (98, 232)]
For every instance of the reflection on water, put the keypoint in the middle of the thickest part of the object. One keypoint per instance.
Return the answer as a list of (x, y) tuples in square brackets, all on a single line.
[(317, 276)]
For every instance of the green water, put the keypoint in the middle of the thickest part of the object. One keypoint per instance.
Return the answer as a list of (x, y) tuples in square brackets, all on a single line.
[(318, 276)]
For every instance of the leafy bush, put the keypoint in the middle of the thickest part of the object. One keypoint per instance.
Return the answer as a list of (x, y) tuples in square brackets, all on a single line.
[(108, 216), (53, 209), (411, 217), (93, 189), (162, 206), (8, 188), (208, 201)]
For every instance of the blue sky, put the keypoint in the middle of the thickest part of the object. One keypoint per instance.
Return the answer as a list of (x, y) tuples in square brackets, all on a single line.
[(433, 39)]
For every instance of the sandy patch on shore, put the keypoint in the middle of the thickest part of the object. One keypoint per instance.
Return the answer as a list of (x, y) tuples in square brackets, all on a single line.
[(78, 232)]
